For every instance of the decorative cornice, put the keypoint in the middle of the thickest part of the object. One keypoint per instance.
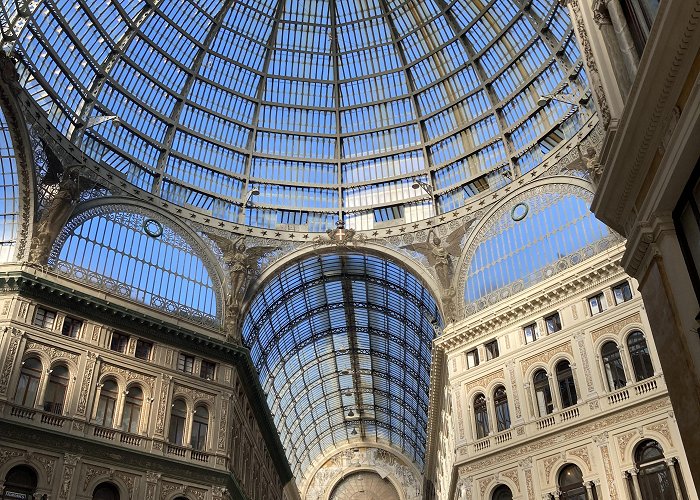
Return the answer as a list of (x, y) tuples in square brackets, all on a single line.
[(543, 297)]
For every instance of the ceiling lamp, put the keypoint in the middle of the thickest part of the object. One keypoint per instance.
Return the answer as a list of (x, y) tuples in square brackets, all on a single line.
[(354, 431), (351, 413)]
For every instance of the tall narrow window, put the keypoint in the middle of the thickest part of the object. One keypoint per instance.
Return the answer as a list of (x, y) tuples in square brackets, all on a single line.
[(553, 322), (200, 426), (543, 393), (472, 358), (132, 409), (567, 387), (622, 292), (106, 404), (44, 317), (55, 397), (178, 416), (500, 404), (491, 349), (28, 385), (655, 480), (612, 364), (639, 353), (571, 483), (71, 327), (481, 418)]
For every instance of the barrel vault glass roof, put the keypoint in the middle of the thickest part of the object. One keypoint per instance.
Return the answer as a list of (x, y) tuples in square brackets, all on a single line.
[(342, 345), (326, 107)]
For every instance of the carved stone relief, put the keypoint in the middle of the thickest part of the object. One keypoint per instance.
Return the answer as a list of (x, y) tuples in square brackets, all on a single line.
[(546, 356), (616, 327)]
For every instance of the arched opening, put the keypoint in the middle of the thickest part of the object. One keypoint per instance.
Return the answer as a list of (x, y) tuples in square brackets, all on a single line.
[(364, 485), (178, 418), (639, 353), (500, 405), (658, 478), (28, 384), (502, 492), (481, 417), (107, 403), (105, 491), (200, 427), (543, 393), (56, 390), (20, 483), (133, 403), (342, 344), (567, 386), (571, 483), (612, 366)]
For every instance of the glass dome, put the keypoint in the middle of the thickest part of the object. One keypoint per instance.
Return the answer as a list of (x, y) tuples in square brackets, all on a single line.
[(290, 114)]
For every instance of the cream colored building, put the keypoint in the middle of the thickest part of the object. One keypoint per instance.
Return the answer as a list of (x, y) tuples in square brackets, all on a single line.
[(344, 250)]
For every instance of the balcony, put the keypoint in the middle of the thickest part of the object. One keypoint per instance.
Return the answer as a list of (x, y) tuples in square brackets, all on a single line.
[(554, 422)]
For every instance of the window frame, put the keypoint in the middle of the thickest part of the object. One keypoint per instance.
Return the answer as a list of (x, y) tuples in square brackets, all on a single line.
[(122, 339), (535, 332), (481, 416), (44, 312), (624, 285), (141, 343), (212, 371), (473, 355), (600, 300), (555, 316), (71, 330), (186, 360), (566, 384), (489, 351)]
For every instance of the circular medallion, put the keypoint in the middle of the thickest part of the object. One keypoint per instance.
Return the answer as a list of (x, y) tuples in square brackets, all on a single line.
[(519, 212), (153, 228)]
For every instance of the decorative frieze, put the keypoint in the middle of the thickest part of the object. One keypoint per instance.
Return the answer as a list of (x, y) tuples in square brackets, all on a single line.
[(484, 381), (128, 375), (616, 327), (546, 356), (51, 351)]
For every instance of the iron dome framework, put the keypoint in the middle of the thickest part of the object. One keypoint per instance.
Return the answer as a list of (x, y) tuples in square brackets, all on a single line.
[(373, 111), (342, 345)]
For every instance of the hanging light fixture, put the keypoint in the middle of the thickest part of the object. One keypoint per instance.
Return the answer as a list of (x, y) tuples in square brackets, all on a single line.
[(351, 413), (354, 431)]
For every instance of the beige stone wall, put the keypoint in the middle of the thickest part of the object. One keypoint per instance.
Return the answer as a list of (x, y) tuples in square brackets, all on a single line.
[(234, 440), (598, 433)]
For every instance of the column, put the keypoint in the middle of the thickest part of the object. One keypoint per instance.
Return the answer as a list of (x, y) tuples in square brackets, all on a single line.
[(589, 490), (70, 462), (635, 484), (624, 37), (671, 463), (152, 480)]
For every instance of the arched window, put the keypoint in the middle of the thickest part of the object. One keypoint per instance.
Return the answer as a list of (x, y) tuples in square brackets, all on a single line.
[(55, 397), (543, 393), (107, 404), (20, 482), (655, 476), (500, 404), (612, 364), (481, 418), (639, 353), (28, 385), (200, 426), (567, 387), (178, 417), (502, 493), (105, 491), (132, 409), (571, 483)]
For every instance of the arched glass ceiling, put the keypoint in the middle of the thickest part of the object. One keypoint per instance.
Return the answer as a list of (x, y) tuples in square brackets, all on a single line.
[(342, 345), (324, 106)]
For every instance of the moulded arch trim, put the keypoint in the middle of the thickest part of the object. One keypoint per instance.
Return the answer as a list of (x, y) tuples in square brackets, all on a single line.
[(24, 156), (115, 203), (493, 385), (41, 479), (107, 478), (558, 466), (401, 260), (145, 390), (558, 358), (384, 474), (43, 358), (604, 339), (630, 449), (529, 374), (470, 245), (379, 445), (501, 480), (630, 329)]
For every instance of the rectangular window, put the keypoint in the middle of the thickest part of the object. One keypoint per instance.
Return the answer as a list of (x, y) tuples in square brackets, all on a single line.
[(531, 333), (472, 358), (71, 327), (596, 303), (491, 349), (119, 342), (143, 349), (622, 292), (553, 322), (185, 363), (44, 317), (207, 369)]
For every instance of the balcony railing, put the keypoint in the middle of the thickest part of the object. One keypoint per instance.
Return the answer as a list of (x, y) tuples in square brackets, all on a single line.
[(552, 422)]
